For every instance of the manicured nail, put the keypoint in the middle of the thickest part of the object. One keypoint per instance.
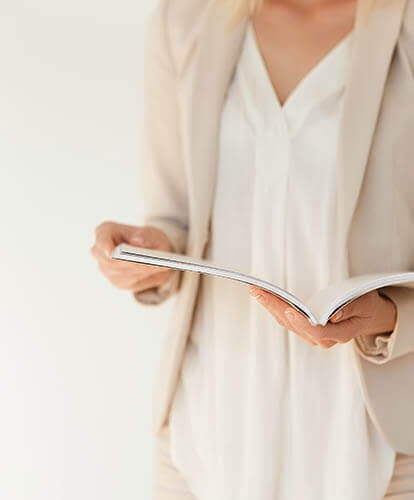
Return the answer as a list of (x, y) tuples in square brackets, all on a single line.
[(139, 240), (338, 315), (255, 293), (291, 316)]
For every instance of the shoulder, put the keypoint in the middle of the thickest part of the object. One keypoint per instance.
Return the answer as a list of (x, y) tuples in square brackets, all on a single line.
[(407, 30), (178, 23)]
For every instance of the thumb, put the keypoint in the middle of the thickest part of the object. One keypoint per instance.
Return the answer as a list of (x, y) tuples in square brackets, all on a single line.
[(139, 236), (363, 306)]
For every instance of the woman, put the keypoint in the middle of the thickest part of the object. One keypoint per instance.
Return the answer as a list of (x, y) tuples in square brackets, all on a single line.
[(281, 144)]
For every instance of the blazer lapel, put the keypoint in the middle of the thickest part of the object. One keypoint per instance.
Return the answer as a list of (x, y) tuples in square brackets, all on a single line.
[(374, 43), (203, 87), (202, 92)]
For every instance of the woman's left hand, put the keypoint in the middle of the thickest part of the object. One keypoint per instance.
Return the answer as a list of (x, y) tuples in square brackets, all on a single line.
[(370, 314)]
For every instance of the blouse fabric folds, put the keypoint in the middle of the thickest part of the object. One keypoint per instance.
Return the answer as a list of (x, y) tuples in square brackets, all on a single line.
[(258, 412)]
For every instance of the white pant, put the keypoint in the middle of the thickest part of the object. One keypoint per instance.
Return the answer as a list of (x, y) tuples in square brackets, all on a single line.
[(170, 485)]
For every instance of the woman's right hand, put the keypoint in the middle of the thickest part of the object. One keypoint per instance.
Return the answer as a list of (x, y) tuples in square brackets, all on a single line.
[(130, 276)]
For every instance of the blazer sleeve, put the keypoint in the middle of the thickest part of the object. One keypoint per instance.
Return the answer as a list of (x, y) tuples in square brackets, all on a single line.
[(162, 174), (383, 348)]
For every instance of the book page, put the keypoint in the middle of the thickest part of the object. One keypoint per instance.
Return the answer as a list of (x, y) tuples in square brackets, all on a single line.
[(326, 302), (204, 266), (318, 308)]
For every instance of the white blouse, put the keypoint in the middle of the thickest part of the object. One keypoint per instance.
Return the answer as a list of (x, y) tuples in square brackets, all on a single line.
[(260, 414)]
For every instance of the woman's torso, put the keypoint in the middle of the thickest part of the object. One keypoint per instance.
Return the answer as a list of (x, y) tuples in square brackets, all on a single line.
[(258, 412)]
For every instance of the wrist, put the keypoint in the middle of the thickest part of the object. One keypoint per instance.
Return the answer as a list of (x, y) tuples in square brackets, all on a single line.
[(158, 280), (388, 318)]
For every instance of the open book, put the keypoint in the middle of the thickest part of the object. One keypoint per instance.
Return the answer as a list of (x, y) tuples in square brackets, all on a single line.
[(318, 308)]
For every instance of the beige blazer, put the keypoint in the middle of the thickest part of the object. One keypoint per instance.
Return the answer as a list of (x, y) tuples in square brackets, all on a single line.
[(190, 58)]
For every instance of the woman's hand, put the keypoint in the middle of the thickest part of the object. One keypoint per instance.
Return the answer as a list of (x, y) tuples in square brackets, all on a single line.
[(370, 314), (130, 275)]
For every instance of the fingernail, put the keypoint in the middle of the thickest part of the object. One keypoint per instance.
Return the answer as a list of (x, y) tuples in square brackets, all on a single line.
[(255, 293), (337, 316), (139, 240), (291, 316)]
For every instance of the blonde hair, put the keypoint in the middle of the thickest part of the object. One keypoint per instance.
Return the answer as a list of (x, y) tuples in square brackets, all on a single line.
[(237, 10)]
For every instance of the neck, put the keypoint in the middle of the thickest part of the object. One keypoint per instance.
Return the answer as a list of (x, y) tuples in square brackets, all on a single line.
[(310, 4)]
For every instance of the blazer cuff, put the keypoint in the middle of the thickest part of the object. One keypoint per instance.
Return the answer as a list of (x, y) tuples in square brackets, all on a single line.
[(178, 238), (384, 347), (157, 295), (375, 348)]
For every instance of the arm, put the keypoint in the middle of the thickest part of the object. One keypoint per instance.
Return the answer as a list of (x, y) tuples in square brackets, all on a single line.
[(163, 176), (380, 349)]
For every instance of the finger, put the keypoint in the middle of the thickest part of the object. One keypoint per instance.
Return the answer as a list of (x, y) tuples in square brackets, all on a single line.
[(302, 325), (122, 282), (307, 339), (363, 306), (143, 236), (271, 302), (98, 253), (277, 307), (327, 344), (346, 330), (301, 331), (340, 332), (307, 333), (281, 319), (111, 270), (110, 234), (136, 270), (131, 281), (154, 280), (299, 324), (138, 236), (304, 331), (105, 235), (124, 266), (277, 313), (109, 262), (302, 335)]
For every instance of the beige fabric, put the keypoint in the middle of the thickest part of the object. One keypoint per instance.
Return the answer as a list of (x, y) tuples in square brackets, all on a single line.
[(401, 486), (249, 387), (170, 484), (190, 58)]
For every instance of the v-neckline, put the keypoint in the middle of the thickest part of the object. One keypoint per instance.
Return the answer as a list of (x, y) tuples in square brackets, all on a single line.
[(314, 86)]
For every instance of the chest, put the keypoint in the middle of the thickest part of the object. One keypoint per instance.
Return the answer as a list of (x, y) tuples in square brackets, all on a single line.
[(293, 41), (371, 121), (275, 149), (276, 178)]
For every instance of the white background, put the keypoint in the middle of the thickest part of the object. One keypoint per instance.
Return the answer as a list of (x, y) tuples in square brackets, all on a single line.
[(77, 356)]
